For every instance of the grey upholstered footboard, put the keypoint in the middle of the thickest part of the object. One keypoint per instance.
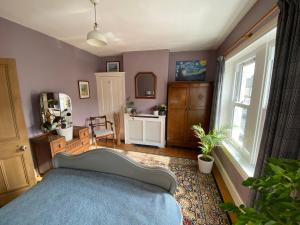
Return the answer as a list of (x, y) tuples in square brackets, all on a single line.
[(110, 161)]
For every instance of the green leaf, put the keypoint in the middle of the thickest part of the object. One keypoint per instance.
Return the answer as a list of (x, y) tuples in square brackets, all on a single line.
[(297, 174), (249, 181), (276, 169), (230, 207), (210, 140), (271, 223), (279, 190)]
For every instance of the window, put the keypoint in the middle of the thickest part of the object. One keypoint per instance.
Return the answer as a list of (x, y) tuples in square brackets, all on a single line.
[(241, 100), (244, 99), (244, 82)]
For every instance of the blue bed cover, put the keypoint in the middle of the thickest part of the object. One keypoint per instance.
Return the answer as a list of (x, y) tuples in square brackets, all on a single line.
[(78, 197)]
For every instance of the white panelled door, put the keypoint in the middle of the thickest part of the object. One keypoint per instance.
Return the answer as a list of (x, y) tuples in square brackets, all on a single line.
[(111, 95)]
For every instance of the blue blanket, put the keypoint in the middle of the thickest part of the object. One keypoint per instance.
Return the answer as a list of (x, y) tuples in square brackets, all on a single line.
[(77, 197)]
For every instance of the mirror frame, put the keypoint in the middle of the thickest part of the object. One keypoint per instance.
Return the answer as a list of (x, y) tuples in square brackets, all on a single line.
[(136, 88)]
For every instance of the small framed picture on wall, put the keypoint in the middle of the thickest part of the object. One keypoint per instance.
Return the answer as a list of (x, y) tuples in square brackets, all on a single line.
[(84, 89), (113, 66)]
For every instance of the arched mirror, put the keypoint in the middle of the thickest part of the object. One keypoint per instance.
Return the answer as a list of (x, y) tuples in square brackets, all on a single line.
[(56, 111), (145, 85)]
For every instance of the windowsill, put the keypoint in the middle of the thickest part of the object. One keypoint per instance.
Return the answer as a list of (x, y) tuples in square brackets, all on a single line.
[(242, 165)]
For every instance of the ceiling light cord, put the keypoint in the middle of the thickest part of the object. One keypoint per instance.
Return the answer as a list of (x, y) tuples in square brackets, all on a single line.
[(95, 13), (95, 37)]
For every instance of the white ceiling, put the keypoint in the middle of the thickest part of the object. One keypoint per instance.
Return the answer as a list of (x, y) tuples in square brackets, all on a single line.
[(132, 25)]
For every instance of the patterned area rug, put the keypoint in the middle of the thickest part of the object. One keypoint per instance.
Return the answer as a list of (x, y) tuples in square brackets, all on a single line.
[(197, 193)]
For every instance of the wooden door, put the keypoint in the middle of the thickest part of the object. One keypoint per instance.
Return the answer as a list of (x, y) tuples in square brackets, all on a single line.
[(177, 109), (16, 166), (199, 105), (111, 95)]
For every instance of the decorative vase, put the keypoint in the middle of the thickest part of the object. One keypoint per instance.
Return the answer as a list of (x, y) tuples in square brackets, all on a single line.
[(128, 110), (66, 132), (205, 166), (155, 112), (162, 113)]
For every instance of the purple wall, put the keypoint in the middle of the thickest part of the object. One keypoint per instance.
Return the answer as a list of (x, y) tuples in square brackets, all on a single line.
[(234, 175), (46, 64), (162, 63), (260, 9), (210, 56), (147, 61)]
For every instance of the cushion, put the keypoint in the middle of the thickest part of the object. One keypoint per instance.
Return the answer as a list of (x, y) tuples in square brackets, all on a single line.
[(99, 133)]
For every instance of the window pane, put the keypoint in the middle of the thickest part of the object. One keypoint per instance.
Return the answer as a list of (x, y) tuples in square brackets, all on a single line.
[(246, 81), (239, 124)]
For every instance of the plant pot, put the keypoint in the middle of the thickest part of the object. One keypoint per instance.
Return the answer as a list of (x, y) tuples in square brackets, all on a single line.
[(155, 113), (66, 132), (162, 113), (205, 166), (128, 110)]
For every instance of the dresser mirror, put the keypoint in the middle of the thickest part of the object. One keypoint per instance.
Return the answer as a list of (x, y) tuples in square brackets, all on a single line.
[(145, 85), (56, 111)]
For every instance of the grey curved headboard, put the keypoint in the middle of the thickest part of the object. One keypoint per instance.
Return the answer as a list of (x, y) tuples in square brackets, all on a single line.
[(110, 161)]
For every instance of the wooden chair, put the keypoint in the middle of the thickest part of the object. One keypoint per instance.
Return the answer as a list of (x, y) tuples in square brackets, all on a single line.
[(101, 128)]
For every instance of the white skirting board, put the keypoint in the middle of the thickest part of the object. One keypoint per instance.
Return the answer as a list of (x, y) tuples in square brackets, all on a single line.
[(233, 192)]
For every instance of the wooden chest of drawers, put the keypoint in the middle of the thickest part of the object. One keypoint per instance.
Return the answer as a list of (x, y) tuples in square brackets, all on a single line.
[(47, 145), (58, 145)]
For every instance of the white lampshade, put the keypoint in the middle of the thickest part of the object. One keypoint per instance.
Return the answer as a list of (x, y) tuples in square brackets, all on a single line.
[(96, 38)]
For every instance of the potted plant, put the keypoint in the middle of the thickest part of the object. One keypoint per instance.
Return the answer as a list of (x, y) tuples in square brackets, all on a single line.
[(64, 127), (133, 111), (207, 143), (50, 121), (129, 105), (162, 109), (155, 110), (279, 191)]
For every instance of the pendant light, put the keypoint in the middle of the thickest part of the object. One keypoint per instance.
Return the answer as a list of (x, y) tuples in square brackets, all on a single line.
[(95, 37)]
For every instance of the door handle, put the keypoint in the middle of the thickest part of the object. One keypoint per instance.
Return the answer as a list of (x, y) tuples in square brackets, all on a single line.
[(23, 148)]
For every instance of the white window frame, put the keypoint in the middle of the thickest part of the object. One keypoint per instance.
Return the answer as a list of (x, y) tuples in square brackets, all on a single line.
[(235, 101), (264, 100), (261, 86), (238, 77)]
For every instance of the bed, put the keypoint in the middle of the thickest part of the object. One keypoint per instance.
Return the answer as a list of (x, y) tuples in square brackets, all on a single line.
[(97, 187)]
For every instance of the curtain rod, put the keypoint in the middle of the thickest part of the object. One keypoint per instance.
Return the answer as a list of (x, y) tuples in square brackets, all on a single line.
[(250, 32)]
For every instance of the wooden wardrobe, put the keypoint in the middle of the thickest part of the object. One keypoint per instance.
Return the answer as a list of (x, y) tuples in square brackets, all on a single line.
[(189, 103)]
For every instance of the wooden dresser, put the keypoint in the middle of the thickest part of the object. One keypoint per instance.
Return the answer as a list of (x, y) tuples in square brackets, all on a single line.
[(47, 145), (189, 103)]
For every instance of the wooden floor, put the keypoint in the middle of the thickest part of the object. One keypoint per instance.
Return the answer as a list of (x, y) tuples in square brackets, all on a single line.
[(168, 151), (180, 153)]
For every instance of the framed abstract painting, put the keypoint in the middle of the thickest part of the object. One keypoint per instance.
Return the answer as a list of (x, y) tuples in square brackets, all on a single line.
[(84, 89), (191, 70)]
